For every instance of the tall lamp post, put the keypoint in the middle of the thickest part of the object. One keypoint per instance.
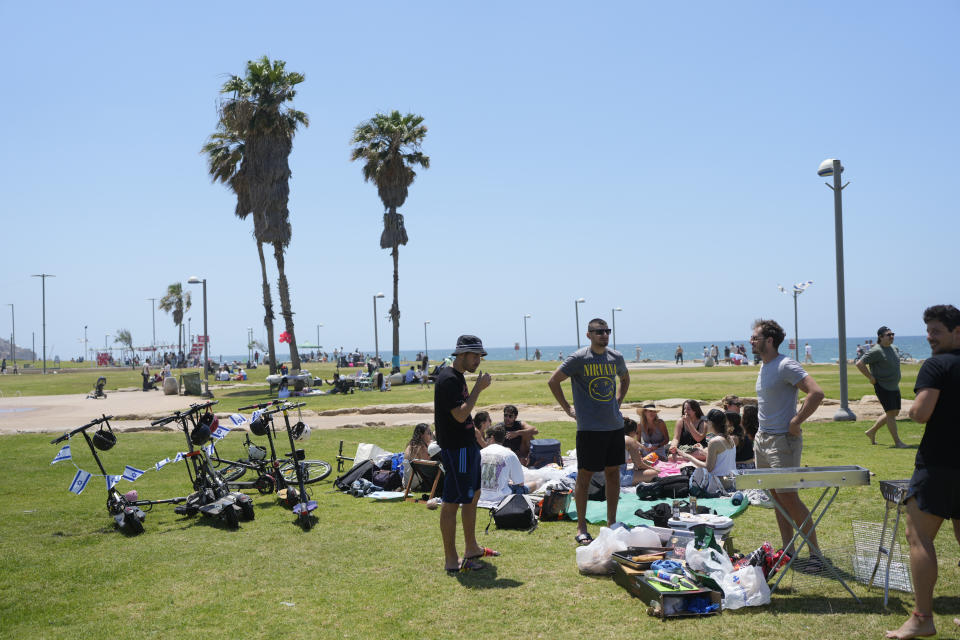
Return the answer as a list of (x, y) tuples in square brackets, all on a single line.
[(206, 337), (153, 311), (576, 310), (13, 337), (86, 351), (249, 345), (798, 288), (43, 278), (318, 340), (426, 351), (613, 314), (832, 167), (376, 343), (526, 353)]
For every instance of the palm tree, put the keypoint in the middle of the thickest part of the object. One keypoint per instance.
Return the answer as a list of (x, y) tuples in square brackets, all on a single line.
[(178, 303), (249, 152), (123, 337), (389, 146)]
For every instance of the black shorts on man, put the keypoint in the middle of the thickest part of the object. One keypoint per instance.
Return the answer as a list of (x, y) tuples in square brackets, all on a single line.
[(461, 480), (936, 490), (597, 450), (889, 400)]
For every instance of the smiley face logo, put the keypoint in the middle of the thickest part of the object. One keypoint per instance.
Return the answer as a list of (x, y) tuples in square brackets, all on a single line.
[(602, 389)]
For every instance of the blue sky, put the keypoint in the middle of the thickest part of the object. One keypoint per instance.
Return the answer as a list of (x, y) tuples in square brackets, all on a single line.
[(660, 157)]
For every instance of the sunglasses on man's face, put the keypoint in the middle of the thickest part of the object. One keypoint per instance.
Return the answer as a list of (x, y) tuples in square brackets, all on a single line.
[(600, 331)]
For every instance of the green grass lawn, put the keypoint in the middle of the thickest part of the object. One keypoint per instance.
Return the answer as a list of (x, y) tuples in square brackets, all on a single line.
[(375, 570)]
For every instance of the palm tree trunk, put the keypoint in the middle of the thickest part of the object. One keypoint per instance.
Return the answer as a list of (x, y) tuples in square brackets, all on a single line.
[(285, 310), (267, 310), (395, 309)]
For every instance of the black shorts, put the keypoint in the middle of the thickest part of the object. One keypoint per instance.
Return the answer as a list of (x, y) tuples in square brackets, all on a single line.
[(889, 400), (597, 450), (937, 491), (461, 479)]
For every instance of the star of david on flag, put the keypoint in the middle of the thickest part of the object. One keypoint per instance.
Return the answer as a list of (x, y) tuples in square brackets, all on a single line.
[(237, 419), (63, 454), (112, 481), (220, 433)]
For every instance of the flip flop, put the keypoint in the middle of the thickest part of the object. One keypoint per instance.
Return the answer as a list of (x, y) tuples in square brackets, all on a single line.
[(471, 564), (583, 539), (486, 553)]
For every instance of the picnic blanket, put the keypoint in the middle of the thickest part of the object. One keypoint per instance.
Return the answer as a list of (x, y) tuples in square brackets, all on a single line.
[(630, 503)]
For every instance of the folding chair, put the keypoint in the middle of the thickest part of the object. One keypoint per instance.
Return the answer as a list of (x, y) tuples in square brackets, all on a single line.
[(427, 472)]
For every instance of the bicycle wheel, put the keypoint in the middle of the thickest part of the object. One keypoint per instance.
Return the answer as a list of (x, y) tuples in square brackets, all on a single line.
[(314, 471), (232, 472)]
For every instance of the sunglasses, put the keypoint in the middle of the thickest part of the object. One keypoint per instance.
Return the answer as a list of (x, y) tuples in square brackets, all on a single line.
[(889, 335), (600, 331)]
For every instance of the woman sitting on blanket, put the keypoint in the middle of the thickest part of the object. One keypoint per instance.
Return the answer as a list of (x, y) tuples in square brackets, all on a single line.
[(721, 448), (690, 430), (652, 430), (641, 472)]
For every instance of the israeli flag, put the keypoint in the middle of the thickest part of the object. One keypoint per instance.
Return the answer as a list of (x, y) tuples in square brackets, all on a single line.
[(80, 481), (178, 457), (255, 415), (162, 463), (220, 433), (112, 481), (237, 419), (209, 449), (64, 454), (131, 473)]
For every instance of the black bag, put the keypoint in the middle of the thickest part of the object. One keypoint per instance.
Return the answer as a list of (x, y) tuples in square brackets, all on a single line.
[(666, 487), (513, 512), (363, 470), (389, 480)]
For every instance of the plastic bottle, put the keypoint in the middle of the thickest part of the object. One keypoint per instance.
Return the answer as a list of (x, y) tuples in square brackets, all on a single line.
[(676, 509), (737, 498)]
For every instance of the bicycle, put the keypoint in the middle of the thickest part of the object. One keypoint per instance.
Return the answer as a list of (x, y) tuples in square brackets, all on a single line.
[(126, 512), (212, 495)]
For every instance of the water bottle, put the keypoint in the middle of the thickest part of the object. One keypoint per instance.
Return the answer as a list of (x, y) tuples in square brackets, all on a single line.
[(676, 509), (737, 498)]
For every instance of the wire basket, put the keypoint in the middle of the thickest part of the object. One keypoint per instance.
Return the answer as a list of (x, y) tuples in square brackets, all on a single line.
[(867, 556)]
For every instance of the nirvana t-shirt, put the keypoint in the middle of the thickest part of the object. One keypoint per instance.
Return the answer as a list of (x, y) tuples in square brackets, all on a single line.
[(594, 380), (449, 393), (884, 365), (777, 393), (937, 448)]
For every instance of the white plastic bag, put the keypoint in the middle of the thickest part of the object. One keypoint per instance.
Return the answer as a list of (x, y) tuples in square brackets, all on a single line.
[(597, 557), (642, 536), (709, 560), (744, 587), (367, 451)]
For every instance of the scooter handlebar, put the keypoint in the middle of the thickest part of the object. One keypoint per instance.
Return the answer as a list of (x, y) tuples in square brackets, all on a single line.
[(92, 423)]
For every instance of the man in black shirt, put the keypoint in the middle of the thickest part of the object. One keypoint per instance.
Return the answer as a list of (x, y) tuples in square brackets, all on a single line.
[(934, 493), (519, 434), (460, 454)]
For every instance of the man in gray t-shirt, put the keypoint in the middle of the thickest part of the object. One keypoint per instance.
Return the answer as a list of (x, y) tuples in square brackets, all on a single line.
[(593, 372), (779, 441), (884, 374)]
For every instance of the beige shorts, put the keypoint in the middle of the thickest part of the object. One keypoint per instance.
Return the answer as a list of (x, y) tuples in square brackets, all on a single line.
[(777, 450)]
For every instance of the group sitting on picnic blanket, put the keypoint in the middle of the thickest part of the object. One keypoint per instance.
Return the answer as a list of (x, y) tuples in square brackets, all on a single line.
[(719, 443)]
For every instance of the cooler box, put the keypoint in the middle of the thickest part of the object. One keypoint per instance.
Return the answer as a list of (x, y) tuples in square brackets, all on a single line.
[(543, 452), (721, 524)]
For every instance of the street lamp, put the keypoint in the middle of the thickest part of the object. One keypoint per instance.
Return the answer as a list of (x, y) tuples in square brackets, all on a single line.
[(426, 351), (13, 337), (832, 167), (153, 311), (576, 310), (206, 337), (249, 345), (798, 288), (86, 351), (43, 278), (376, 343), (526, 353), (318, 340), (613, 313)]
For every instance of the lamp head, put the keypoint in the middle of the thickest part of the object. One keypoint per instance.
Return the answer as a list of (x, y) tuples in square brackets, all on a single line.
[(826, 167), (579, 300), (527, 315), (194, 280), (378, 295)]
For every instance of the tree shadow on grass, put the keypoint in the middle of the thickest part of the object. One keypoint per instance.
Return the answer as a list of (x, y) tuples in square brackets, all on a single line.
[(486, 578)]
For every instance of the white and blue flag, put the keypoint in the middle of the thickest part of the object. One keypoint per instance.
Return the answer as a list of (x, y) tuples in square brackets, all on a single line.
[(255, 415), (63, 454), (220, 433), (162, 463), (209, 449), (80, 481), (112, 481), (237, 419), (131, 473), (178, 457)]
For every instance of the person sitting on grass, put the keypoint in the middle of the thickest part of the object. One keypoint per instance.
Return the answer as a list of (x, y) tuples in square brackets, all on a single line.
[(721, 449), (689, 430), (519, 434), (641, 472), (501, 473), (652, 430), (745, 430)]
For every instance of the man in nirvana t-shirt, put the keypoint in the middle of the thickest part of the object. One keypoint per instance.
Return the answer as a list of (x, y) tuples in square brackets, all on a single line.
[(934, 493), (460, 453)]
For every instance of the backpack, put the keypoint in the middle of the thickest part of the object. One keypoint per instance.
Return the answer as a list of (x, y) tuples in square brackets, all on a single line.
[(704, 484), (362, 470), (666, 487), (389, 480), (513, 512)]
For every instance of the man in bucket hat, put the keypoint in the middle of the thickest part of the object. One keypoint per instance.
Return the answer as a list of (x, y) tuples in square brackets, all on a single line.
[(460, 454)]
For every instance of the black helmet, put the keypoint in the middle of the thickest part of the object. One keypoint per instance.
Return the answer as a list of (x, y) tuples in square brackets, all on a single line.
[(104, 440), (200, 433), (259, 426)]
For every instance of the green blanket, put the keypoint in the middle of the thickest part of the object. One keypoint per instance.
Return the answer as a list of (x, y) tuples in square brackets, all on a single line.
[(630, 503)]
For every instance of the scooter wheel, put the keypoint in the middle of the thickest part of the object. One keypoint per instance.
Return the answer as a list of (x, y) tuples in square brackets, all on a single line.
[(132, 523), (265, 485), (246, 511), (230, 517)]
